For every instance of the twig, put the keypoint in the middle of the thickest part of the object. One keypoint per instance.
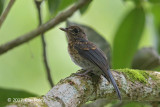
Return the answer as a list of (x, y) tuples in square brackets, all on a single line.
[(6, 11), (74, 91), (38, 4), (44, 27)]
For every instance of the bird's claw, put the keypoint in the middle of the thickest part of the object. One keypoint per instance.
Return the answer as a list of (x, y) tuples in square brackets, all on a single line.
[(83, 74)]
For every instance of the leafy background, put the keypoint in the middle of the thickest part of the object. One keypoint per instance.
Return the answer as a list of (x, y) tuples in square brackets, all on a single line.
[(128, 25)]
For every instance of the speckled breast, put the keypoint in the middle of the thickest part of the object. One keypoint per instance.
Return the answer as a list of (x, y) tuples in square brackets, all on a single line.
[(77, 59)]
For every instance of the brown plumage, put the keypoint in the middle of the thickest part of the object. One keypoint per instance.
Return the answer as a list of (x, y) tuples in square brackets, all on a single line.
[(86, 55)]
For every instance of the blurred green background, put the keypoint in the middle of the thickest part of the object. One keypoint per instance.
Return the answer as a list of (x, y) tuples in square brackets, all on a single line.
[(22, 68)]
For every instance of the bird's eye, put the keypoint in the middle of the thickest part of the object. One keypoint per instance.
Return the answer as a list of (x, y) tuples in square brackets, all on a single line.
[(75, 30)]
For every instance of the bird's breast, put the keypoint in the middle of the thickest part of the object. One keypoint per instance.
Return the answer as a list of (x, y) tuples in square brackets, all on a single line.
[(77, 59)]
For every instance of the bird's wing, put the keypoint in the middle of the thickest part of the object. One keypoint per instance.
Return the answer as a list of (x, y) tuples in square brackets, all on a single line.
[(90, 52)]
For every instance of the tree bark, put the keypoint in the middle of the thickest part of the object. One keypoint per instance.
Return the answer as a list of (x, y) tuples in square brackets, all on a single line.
[(74, 90)]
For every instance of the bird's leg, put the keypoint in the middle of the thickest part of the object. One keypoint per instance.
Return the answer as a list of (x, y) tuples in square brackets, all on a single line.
[(84, 73)]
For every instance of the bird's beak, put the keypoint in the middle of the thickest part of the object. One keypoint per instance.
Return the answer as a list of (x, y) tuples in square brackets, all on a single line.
[(63, 29)]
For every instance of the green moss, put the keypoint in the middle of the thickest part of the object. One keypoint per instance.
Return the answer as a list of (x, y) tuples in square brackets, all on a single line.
[(135, 75)]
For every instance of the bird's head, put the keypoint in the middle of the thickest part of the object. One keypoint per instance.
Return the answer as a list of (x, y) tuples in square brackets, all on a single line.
[(74, 33)]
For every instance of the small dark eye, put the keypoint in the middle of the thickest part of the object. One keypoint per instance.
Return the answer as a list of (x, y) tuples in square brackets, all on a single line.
[(75, 30)]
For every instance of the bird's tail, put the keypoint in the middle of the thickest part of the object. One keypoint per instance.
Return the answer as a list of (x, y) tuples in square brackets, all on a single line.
[(110, 76)]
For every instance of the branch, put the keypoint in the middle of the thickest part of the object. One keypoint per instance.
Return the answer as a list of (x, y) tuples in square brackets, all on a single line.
[(74, 91), (44, 27), (6, 11), (97, 103), (38, 5)]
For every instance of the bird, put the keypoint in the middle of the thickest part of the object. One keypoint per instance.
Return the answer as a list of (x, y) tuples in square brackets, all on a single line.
[(88, 56)]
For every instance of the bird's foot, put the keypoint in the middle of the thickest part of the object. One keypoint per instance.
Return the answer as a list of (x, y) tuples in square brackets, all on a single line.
[(83, 74)]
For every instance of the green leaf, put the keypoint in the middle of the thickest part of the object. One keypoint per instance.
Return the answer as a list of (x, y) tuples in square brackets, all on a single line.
[(84, 8), (57, 5), (155, 11), (53, 5), (154, 1), (158, 37), (127, 38), (137, 2), (1, 6), (8, 95), (65, 3)]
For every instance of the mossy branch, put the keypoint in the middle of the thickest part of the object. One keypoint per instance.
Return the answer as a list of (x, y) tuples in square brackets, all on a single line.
[(135, 85)]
